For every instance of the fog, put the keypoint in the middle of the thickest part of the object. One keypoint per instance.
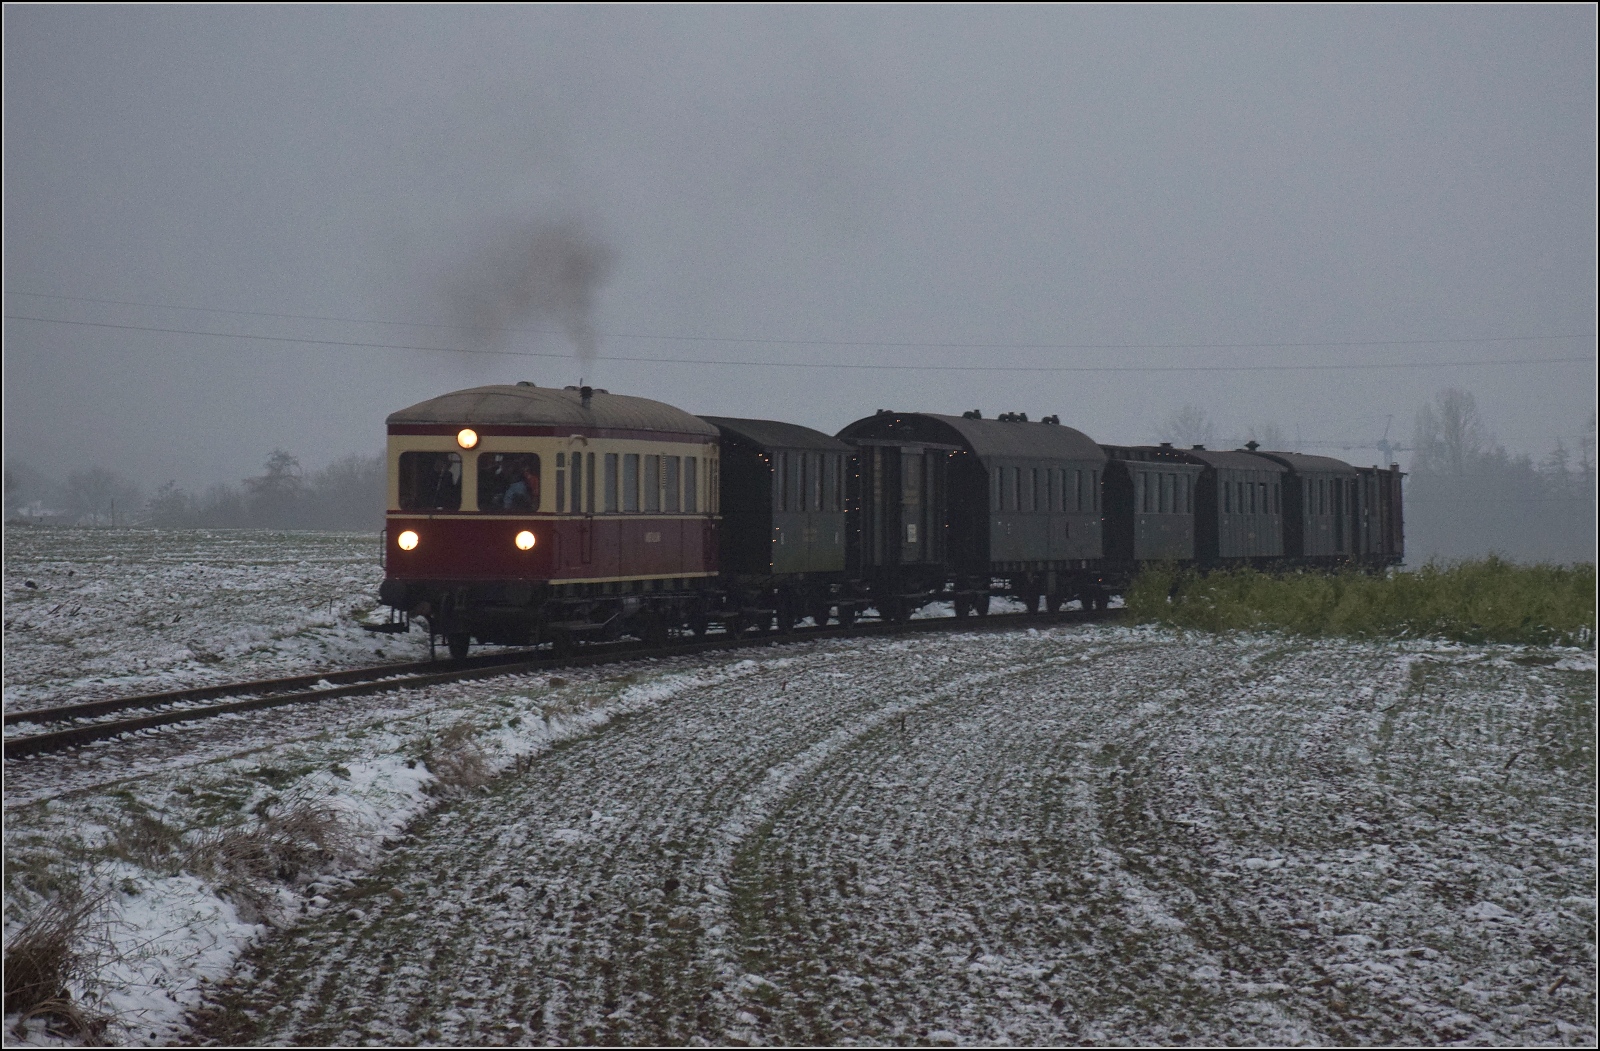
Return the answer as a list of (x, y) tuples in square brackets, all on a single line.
[(798, 213)]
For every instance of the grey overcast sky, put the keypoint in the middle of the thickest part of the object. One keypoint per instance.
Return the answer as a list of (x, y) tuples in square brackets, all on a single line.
[(994, 189)]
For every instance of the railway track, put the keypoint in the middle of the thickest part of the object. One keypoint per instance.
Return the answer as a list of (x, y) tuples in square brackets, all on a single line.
[(181, 706)]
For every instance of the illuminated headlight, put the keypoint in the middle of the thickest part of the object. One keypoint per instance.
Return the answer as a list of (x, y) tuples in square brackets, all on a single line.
[(525, 541), (467, 438), (407, 540)]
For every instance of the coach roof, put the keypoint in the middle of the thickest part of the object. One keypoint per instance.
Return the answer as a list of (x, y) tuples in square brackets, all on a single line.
[(774, 434), (988, 439), (515, 405), (1301, 463)]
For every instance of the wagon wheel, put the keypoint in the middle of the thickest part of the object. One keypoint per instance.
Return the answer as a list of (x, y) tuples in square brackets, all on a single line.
[(735, 624), (784, 615), (847, 616), (655, 630), (962, 605), (1035, 603), (561, 644), (981, 604), (819, 614), (698, 623), (1054, 602), (459, 642)]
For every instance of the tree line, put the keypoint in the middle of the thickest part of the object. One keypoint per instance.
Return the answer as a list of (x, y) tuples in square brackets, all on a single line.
[(348, 494)]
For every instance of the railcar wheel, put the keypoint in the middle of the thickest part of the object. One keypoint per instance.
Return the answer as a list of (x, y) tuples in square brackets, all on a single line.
[(698, 623), (981, 604), (962, 605), (1053, 602), (735, 625), (459, 642), (819, 614), (847, 616)]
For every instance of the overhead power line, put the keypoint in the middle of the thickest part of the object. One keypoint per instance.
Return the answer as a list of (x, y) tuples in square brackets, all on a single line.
[(811, 364), (787, 341)]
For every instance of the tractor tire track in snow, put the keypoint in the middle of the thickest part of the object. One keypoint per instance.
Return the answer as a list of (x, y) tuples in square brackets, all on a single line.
[(1048, 836)]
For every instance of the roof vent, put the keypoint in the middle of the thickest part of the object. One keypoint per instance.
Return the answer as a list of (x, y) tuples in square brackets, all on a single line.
[(883, 412), (1199, 448), (1054, 421), (972, 414), (526, 383), (588, 395), (1168, 445), (1252, 445)]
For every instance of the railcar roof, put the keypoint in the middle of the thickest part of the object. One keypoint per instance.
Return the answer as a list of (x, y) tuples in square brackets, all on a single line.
[(1301, 463), (1241, 460), (513, 405), (774, 434), (986, 438)]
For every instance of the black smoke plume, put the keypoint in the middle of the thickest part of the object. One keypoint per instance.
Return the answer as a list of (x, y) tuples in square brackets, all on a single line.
[(539, 273)]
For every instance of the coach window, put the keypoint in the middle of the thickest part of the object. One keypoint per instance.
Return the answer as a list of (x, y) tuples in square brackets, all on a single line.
[(652, 483), (1227, 497), (561, 482), (430, 481), (576, 506), (611, 504), (673, 465), (630, 482), (508, 482), (691, 485)]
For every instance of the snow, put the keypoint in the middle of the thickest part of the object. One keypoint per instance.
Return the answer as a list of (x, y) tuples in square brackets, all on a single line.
[(1068, 834)]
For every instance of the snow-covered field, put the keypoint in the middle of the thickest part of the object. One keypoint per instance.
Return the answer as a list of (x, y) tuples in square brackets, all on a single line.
[(1075, 834), (106, 612)]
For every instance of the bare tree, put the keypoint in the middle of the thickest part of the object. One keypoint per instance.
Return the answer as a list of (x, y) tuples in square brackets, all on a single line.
[(1450, 434), (276, 497), (1190, 425), (98, 496), (1270, 436)]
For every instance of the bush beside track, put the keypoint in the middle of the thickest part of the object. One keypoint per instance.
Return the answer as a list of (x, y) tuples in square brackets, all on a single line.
[(1482, 601)]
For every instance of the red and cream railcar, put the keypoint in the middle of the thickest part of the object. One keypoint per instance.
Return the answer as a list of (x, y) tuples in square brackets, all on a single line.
[(521, 513)]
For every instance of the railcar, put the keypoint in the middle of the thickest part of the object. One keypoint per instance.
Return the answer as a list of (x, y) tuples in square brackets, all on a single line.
[(784, 522), (1022, 509), (1150, 513), (519, 514)]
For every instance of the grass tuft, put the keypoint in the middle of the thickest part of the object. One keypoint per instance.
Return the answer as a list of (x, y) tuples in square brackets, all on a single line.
[(457, 761), (1482, 601), (295, 837), (64, 944)]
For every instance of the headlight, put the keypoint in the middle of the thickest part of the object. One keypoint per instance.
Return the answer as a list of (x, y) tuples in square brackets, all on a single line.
[(525, 540), (467, 438), (407, 540)]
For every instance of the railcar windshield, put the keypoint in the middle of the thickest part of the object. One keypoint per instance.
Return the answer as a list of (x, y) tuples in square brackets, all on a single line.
[(508, 482), (430, 481)]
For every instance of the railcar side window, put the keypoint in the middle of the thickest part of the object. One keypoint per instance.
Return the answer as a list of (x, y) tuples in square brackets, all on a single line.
[(1094, 489), (430, 481), (691, 485), (630, 482), (672, 467), (652, 483), (611, 482), (994, 489), (508, 482), (1227, 497)]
